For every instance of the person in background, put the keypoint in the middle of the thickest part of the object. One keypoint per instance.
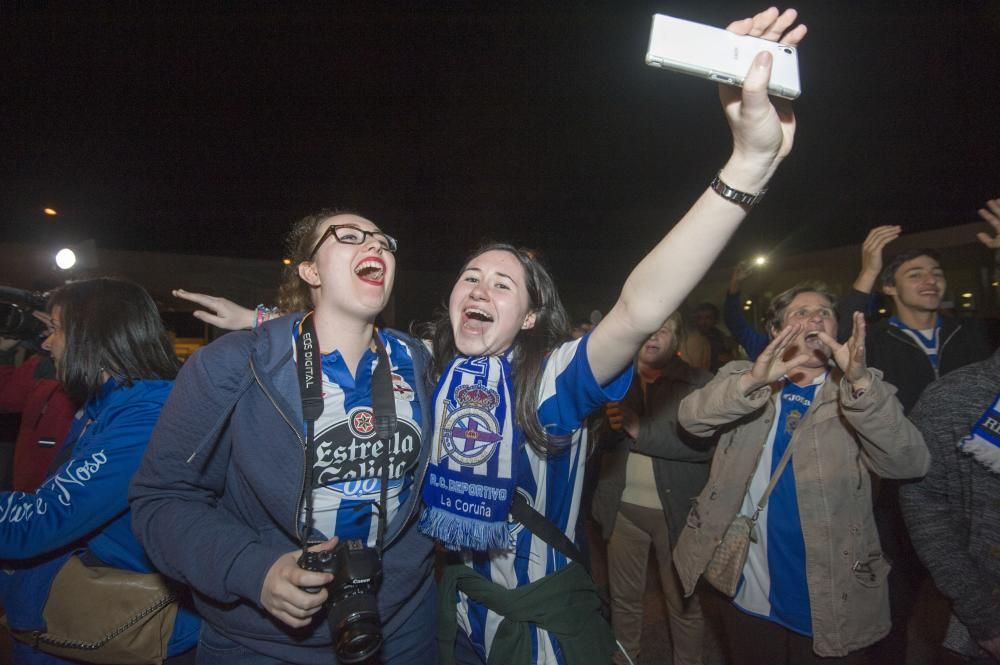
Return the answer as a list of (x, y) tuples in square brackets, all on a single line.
[(915, 346), (813, 588), (112, 356), (752, 340), (32, 390), (722, 347), (952, 514), (650, 473)]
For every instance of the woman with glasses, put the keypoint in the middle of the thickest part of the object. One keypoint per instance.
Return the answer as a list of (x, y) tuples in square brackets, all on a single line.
[(220, 500)]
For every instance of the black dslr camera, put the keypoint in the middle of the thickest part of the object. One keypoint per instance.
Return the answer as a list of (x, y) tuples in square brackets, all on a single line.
[(16, 306), (352, 609)]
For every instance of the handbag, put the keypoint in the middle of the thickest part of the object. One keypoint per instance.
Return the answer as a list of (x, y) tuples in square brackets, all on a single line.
[(100, 614), (725, 568)]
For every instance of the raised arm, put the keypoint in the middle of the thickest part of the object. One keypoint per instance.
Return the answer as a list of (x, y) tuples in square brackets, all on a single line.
[(762, 137), (991, 215), (752, 340), (871, 256)]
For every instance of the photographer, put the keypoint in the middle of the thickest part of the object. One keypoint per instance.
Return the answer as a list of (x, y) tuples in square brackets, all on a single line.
[(32, 390)]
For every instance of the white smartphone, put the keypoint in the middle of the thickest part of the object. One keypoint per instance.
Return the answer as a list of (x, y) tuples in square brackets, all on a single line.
[(719, 55)]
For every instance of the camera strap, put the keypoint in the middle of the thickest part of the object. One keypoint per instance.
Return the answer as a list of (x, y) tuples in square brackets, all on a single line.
[(311, 389)]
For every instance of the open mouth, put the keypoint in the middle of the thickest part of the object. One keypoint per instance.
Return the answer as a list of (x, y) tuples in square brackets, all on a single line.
[(813, 341), (371, 270), (476, 319)]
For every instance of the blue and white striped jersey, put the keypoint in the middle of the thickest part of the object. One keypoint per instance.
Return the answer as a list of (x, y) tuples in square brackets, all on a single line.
[(774, 577), (552, 485), (348, 467)]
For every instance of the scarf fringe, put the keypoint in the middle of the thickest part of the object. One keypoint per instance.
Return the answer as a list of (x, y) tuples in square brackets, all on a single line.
[(456, 532), (985, 452)]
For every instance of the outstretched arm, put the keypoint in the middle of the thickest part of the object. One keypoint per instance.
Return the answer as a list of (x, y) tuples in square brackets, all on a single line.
[(219, 312), (753, 341), (762, 132)]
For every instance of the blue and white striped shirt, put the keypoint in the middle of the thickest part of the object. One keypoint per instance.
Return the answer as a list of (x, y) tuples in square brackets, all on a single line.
[(551, 484)]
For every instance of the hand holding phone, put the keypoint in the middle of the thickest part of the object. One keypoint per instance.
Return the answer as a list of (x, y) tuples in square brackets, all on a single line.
[(720, 55)]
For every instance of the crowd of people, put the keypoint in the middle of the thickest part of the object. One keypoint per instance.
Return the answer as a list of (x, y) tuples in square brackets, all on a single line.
[(318, 488)]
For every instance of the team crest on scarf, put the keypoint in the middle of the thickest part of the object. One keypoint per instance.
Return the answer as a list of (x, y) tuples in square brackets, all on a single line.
[(470, 433), (471, 470)]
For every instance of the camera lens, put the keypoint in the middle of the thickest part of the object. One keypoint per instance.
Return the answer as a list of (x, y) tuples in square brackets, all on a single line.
[(359, 641), (788, 51), (357, 631)]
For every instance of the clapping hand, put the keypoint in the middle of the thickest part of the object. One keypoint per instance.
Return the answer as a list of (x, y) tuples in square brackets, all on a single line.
[(871, 255), (991, 215), (850, 356), (771, 364)]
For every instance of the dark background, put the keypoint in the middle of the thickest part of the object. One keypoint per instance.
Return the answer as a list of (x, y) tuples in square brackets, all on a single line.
[(209, 130)]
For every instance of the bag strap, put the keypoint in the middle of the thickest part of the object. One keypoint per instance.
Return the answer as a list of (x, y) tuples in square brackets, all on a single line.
[(782, 463), (543, 527)]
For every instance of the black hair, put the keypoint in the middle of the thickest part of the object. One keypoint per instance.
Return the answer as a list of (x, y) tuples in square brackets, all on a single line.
[(109, 325), (888, 275), (531, 346), (707, 307), (775, 316)]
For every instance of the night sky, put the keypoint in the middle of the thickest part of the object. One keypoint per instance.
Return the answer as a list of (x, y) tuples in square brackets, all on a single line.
[(210, 131)]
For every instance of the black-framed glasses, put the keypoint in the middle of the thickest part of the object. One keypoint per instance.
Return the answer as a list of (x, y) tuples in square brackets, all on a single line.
[(349, 234)]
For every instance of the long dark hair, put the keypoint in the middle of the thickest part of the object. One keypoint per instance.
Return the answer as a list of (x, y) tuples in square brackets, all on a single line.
[(110, 325), (531, 346)]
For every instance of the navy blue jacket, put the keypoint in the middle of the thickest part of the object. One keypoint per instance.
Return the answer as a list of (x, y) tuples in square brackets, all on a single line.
[(216, 500)]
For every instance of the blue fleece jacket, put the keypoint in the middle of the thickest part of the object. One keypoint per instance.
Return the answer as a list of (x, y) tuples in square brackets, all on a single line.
[(216, 499), (83, 505)]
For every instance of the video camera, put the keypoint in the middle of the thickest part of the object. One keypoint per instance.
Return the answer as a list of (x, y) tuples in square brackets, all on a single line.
[(16, 306)]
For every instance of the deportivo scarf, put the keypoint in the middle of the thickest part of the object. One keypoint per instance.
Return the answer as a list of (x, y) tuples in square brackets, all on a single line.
[(471, 474), (983, 441)]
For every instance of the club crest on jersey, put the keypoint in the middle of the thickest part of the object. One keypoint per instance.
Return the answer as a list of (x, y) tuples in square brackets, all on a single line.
[(792, 421), (361, 422), (470, 433), (400, 388)]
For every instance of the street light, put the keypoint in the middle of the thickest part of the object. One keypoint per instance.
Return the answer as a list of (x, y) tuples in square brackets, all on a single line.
[(65, 258), (760, 260), (51, 212)]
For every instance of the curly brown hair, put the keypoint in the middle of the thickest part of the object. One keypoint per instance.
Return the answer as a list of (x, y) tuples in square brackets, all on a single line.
[(294, 294)]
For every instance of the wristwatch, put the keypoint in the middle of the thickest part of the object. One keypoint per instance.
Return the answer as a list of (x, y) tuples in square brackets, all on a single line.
[(736, 196)]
